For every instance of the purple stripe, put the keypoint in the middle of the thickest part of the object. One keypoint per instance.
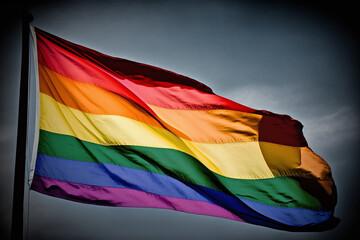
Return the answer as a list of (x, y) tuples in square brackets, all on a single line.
[(122, 197)]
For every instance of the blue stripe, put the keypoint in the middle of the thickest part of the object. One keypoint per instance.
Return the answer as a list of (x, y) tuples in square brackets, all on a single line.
[(109, 175), (291, 216)]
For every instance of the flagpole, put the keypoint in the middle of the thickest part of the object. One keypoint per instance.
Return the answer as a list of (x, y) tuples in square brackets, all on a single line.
[(19, 178)]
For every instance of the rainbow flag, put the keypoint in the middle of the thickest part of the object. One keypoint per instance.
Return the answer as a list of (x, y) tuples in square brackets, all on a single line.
[(115, 132)]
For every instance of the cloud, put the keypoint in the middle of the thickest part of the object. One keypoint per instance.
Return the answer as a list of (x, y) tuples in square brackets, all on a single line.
[(338, 125), (282, 99)]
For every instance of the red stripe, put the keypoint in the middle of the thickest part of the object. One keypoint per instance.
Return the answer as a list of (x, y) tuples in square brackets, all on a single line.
[(126, 67), (281, 129), (148, 85)]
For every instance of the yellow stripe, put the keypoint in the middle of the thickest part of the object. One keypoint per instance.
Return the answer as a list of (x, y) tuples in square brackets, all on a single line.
[(241, 160)]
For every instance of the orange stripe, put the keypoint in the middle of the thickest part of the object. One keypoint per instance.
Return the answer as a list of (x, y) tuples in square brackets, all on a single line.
[(89, 98), (212, 126)]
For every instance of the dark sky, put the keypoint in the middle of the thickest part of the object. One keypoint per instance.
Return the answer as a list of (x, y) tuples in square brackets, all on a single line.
[(299, 59)]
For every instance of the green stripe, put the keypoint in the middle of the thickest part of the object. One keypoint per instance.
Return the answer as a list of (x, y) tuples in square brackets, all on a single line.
[(279, 191)]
